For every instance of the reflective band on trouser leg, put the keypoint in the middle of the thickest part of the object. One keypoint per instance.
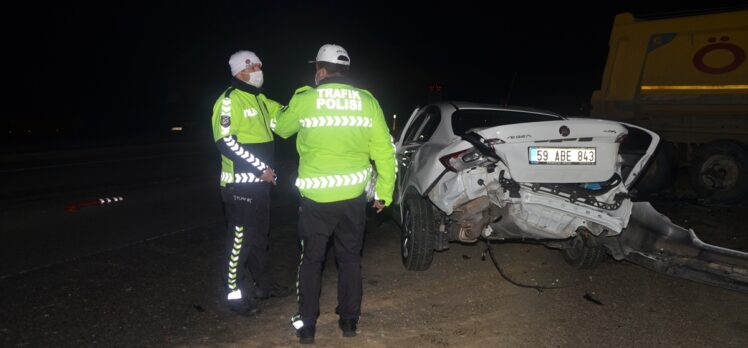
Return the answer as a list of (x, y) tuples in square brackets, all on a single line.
[(297, 322), (332, 181), (234, 262), (298, 271), (296, 319), (246, 155)]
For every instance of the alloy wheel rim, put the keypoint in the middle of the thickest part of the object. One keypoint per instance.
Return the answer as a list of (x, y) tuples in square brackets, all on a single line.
[(407, 232)]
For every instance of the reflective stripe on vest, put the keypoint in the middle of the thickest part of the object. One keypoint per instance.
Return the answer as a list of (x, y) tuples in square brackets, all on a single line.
[(239, 151), (239, 178), (333, 181), (227, 177), (335, 121), (245, 177)]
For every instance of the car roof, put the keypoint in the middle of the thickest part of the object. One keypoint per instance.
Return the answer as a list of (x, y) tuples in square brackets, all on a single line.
[(462, 105)]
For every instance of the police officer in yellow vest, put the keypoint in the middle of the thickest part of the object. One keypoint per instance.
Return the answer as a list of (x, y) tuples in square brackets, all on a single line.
[(341, 129), (242, 121)]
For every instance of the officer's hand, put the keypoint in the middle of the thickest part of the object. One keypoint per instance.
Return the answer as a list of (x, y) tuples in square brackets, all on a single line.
[(268, 175), (378, 205)]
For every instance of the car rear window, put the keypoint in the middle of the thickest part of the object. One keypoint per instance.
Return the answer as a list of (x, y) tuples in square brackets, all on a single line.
[(465, 120)]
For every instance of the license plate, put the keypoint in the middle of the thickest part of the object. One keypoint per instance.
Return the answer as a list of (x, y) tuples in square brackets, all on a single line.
[(562, 155)]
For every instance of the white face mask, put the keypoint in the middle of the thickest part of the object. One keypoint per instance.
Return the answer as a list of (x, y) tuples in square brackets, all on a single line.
[(256, 79)]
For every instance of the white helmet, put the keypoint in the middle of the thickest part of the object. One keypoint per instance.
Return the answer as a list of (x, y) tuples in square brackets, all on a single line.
[(332, 53), (242, 60)]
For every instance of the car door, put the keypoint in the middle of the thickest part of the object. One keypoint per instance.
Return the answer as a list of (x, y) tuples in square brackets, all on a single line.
[(416, 133), (404, 150)]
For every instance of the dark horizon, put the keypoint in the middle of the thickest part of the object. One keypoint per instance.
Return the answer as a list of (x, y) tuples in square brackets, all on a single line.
[(126, 70)]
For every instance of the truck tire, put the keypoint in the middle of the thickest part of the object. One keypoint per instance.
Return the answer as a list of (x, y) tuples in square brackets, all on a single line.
[(418, 235), (660, 173), (720, 172), (582, 256)]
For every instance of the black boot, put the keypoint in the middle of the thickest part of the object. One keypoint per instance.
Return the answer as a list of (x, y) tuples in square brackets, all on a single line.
[(306, 334), (244, 307), (348, 326)]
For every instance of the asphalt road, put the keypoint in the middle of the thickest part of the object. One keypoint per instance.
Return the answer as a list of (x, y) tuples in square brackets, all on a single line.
[(166, 292), (165, 188)]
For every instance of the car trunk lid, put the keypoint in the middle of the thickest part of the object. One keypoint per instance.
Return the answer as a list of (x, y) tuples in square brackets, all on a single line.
[(564, 151)]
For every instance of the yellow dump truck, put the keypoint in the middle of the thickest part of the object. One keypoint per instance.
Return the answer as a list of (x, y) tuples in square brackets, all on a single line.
[(687, 79)]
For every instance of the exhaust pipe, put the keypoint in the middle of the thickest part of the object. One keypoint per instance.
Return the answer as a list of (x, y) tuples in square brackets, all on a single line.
[(472, 217)]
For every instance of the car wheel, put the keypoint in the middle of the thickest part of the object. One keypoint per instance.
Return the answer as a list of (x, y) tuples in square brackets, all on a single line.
[(720, 172), (581, 256), (418, 235)]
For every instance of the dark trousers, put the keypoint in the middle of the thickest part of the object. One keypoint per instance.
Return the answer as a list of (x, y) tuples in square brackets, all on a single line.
[(345, 222), (247, 209)]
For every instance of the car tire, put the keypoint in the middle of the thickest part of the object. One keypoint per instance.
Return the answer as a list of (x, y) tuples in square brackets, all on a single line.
[(720, 172), (582, 256), (417, 238)]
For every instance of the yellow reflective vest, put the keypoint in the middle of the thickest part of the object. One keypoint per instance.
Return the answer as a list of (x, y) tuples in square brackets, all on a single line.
[(341, 130)]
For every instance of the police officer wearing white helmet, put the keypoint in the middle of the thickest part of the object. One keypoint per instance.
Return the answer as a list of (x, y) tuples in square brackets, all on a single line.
[(242, 120), (341, 129)]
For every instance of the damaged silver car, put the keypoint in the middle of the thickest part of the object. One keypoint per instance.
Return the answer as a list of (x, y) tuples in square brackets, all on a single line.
[(472, 171)]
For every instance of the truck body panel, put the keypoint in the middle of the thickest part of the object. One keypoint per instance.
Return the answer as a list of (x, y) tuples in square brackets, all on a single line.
[(685, 78)]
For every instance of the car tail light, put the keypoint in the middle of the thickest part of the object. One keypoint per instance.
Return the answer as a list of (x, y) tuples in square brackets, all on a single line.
[(452, 160), (464, 159), (494, 141)]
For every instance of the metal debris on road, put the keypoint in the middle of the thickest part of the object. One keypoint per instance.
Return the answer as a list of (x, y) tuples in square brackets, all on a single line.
[(589, 297)]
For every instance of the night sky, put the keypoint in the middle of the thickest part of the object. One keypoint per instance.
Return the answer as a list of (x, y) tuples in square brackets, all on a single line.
[(123, 70)]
